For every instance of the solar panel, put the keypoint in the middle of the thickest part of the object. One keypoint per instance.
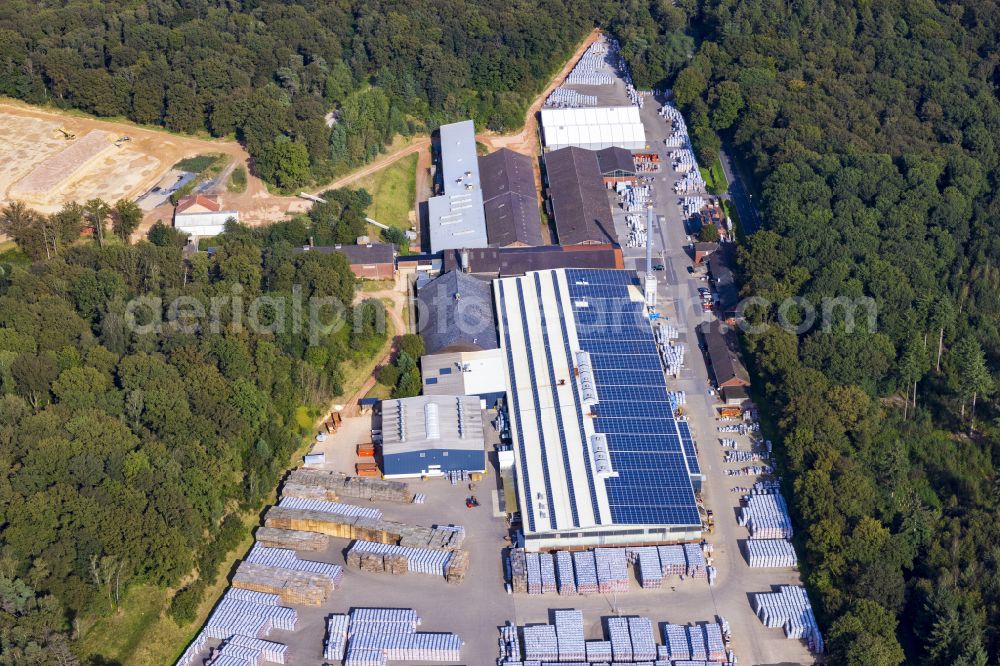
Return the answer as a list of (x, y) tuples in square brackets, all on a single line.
[(652, 484)]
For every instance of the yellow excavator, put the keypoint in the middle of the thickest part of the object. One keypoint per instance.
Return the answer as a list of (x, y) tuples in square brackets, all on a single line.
[(67, 134)]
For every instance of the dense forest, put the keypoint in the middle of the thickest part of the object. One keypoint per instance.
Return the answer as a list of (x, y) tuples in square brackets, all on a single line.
[(872, 129), (269, 72), (129, 449)]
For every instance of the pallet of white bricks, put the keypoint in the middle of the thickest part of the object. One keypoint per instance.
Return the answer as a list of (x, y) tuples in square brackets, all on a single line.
[(628, 640), (240, 628), (602, 570), (322, 484), (789, 608), (375, 636)]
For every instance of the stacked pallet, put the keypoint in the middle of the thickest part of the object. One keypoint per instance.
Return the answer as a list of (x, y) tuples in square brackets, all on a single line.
[(534, 572), (315, 516), (643, 640), (247, 618), (648, 563), (378, 635), (293, 587), (696, 639), (273, 537), (672, 560), (336, 486), (327, 506), (458, 567), (565, 579), (518, 571), (696, 566), (621, 643), (612, 570), (336, 637), (675, 638), (766, 517), (598, 651), (586, 571), (540, 643), (510, 644), (547, 569), (770, 553), (569, 635), (790, 609), (716, 644), (257, 648), (418, 560)]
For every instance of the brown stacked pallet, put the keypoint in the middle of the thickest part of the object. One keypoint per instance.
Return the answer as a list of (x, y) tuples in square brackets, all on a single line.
[(307, 492), (397, 565), (294, 587), (339, 486), (367, 469), (274, 537), (518, 571), (372, 563), (458, 567)]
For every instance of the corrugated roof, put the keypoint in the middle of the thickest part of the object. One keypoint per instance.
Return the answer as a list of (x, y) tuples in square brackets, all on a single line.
[(726, 366), (579, 198), (510, 199), (452, 422), (615, 159), (507, 261), (456, 218), (455, 312), (372, 253)]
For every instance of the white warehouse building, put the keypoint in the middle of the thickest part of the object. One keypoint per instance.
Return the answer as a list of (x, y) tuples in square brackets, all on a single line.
[(594, 128)]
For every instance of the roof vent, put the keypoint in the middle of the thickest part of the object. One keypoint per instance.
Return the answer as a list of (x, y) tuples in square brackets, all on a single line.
[(432, 426), (401, 420)]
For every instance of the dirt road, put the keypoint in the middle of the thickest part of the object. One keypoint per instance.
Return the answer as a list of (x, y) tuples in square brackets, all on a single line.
[(526, 141)]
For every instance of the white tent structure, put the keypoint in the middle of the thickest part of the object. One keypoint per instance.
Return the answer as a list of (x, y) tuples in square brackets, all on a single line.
[(593, 128)]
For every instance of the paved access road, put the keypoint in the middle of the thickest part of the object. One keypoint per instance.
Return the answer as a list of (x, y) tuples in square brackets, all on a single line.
[(741, 198), (679, 304)]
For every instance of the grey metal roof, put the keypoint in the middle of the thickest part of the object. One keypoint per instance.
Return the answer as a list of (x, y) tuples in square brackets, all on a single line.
[(579, 198), (456, 218), (510, 199), (726, 364), (507, 261), (455, 313), (372, 253), (451, 422), (615, 159)]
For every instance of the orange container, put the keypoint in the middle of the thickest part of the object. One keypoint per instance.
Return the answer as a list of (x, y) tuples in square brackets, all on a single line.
[(366, 450)]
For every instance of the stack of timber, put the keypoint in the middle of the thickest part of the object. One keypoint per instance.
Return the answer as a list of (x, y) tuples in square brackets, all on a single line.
[(458, 567), (363, 528), (273, 537), (333, 486), (293, 587)]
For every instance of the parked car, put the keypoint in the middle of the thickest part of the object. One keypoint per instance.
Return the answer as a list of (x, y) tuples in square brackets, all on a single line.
[(658, 267), (690, 270)]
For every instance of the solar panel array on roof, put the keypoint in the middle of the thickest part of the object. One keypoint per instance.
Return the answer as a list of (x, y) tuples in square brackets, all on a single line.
[(546, 318)]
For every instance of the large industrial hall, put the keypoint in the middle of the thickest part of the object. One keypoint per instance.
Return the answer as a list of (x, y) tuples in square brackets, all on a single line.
[(599, 457)]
